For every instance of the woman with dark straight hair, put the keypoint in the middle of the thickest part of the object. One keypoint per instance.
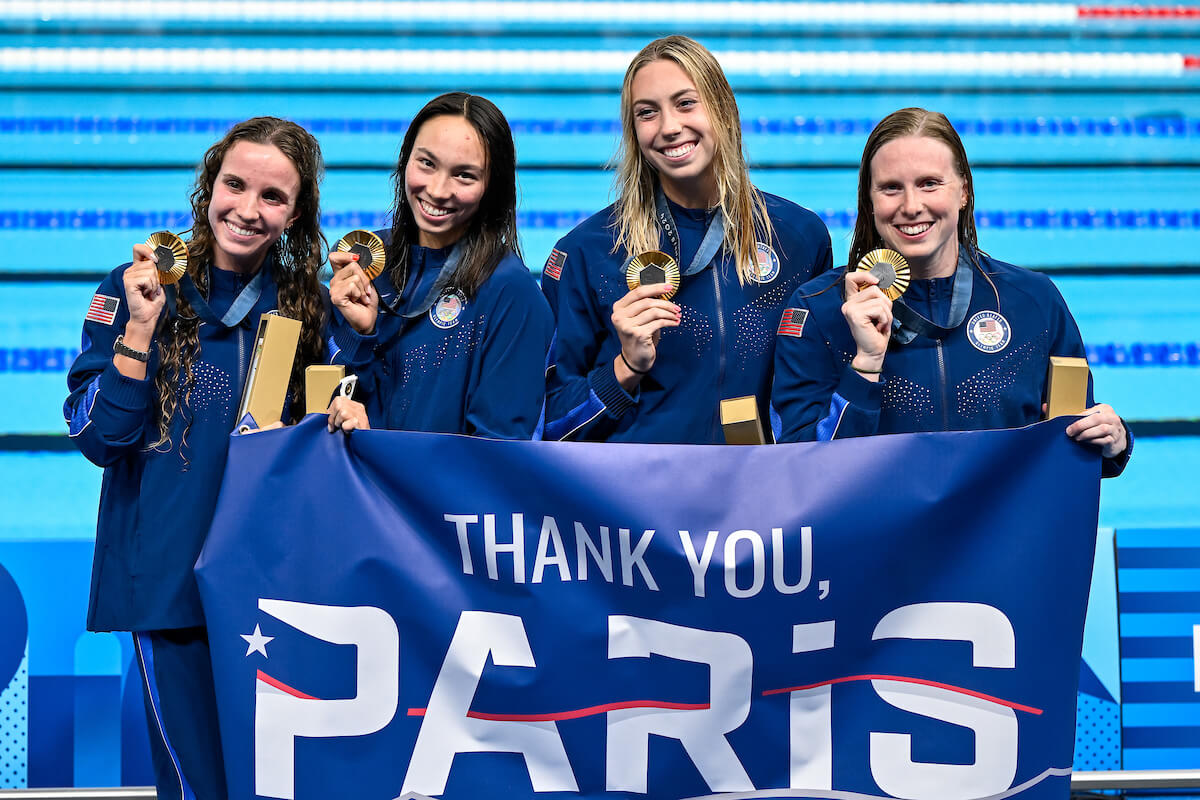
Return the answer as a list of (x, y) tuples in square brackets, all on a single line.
[(452, 337), (966, 347), (153, 397)]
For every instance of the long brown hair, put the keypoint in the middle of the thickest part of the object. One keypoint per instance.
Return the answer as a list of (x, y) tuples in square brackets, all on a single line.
[(492, 232), (296, 259), (897, 125), (746, 217)]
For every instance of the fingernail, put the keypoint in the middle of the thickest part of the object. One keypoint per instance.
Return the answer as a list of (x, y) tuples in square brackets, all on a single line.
[(354, 256)]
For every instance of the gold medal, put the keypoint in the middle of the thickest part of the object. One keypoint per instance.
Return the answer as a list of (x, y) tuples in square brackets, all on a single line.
[(653, 267), (172, 256), (369, 249), (889, 267)]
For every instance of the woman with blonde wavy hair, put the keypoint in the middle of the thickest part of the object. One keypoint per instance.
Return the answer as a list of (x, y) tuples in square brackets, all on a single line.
[(154, 393), (652, 363)]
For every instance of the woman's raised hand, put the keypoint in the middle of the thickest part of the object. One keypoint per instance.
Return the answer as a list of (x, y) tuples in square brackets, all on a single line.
[(868, 313), (352, 293), (143, 294), (639, 318)]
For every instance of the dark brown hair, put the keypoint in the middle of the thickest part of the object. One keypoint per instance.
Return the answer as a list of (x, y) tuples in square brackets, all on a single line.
[(296, 259), (492, 232)]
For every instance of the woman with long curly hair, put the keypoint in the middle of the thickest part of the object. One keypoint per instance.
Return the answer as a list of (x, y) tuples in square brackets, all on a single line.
[(452, 338), (153, 396), (631, 364)]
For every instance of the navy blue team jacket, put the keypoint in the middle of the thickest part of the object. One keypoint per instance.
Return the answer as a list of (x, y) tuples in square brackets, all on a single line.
[(473, 366), (156, 505), (723, 348), (988, 372)]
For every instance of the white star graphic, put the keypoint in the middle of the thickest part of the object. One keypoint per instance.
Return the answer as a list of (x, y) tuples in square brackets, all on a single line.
[(256, 641)]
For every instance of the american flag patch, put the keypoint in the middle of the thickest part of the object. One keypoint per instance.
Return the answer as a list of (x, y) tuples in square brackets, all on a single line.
[(554, 264), (792, 323), (103, 309)]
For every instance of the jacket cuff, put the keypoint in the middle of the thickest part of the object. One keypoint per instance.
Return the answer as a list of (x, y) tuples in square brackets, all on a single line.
[(860, 392), (603, 382), (354, 349), (123, 392)]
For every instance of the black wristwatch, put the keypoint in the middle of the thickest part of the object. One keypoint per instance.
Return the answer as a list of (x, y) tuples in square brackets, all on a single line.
[(122, 349)]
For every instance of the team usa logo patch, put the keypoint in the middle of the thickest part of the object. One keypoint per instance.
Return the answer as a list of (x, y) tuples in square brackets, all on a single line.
[(554, 264), (989, 332), (766, 264), (792, 322), (103, 309), (447, 309)]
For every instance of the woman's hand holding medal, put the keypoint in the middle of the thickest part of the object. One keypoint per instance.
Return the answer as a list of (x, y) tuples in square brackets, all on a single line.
[(879, 279), (145, 299), (639, 318), (868, 313), (145, 296), (352, 293)]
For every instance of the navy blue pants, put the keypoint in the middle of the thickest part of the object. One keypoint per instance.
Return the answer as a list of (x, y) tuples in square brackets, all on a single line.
[(181, 710)]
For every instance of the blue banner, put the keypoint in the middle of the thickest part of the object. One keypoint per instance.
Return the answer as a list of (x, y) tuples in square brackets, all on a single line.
[(901, 616)]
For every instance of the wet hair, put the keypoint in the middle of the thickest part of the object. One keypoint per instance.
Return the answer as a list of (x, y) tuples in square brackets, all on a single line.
[(746, 219), (492, 231), (296, 260), (897, 125)]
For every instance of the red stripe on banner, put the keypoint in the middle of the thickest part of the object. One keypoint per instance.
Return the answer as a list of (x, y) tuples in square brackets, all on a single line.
[(1139, 12), (283, 687), (1191, 62), (558, 716), (903, 679)]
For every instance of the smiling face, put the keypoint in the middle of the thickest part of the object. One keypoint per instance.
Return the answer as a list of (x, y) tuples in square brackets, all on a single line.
[(253, 203), (674, 133), (916, 197), (445, 179)]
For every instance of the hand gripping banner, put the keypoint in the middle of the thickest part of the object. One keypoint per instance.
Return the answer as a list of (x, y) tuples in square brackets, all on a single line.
[(901, 616)]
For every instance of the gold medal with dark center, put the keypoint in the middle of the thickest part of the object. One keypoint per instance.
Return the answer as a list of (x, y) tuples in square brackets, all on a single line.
[(653, 267), (369, 249), (889, 267), (172, 256)]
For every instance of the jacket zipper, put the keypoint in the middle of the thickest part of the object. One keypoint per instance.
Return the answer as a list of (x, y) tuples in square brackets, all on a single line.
[(716, 270), (241, 337), (941, 365)]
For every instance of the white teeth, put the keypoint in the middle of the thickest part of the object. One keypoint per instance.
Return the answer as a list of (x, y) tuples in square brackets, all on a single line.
[(433, 211), (683, 149), (913, 230), (238, 230)]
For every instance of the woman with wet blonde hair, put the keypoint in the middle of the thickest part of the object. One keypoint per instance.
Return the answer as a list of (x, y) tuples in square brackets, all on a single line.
[(652, 363), (745, 209), (153, 398)]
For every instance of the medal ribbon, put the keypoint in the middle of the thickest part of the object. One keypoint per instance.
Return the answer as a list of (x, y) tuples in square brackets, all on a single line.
[(439, 286), (241, 306), (907, 323), (714, 235)]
